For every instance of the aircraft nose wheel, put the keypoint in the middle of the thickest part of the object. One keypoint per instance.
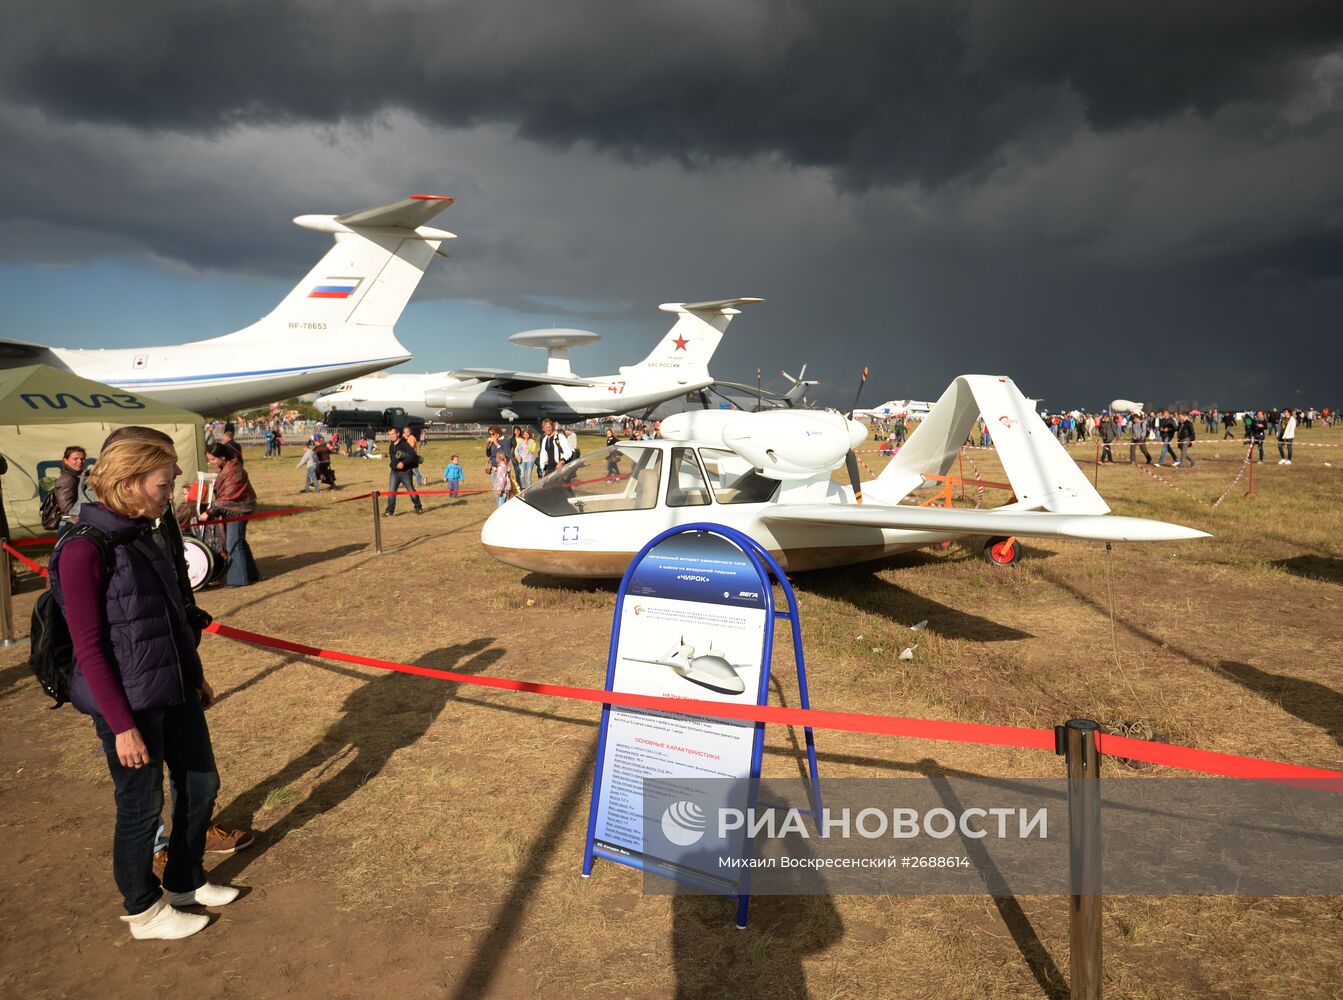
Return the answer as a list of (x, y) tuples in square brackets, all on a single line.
[(1003, 550)]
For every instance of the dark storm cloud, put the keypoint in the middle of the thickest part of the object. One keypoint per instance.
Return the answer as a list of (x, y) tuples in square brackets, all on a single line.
[(1105, 199), (878, 93)]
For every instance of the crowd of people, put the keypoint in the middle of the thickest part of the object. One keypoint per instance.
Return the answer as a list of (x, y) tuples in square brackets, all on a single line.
[(1172, 431)]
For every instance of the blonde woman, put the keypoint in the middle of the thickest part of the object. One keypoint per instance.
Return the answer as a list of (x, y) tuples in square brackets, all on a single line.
[(137, 674)]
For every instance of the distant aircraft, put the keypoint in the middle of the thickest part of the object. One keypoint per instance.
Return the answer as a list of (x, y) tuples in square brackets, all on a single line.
[(679, 364), (336, 323), (896, 408), (723, 395), (769, 475)]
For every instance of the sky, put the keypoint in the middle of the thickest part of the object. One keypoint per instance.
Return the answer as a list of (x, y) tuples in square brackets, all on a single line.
[(1140, 200)]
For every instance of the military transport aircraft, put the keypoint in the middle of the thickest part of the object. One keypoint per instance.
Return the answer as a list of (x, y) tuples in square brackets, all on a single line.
[(336, 323), (678, 365)]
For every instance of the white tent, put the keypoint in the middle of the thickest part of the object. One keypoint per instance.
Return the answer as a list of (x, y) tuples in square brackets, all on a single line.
[(44, 409)]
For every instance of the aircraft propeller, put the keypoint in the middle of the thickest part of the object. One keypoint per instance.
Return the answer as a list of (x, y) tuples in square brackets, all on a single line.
[(851, 459)]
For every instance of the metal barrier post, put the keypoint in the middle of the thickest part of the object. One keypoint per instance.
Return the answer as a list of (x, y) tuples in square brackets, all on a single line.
[(7, 637), (1076, 739), (377, 522), (1249, 457)]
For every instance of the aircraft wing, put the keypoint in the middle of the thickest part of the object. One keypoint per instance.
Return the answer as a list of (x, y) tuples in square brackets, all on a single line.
[(16, 353), (1094, 527), (535, 378)]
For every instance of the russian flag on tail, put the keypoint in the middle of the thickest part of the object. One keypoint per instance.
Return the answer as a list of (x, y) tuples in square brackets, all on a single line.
[(334, 288)]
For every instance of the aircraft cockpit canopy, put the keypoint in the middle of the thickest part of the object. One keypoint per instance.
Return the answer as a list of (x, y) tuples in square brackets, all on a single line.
[(627, 477), (623, 477)]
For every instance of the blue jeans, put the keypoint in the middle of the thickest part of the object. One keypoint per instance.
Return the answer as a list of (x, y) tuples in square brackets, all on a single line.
[(241, 566), (1166, 446), (400, 481), (525, 470), (176, 736)]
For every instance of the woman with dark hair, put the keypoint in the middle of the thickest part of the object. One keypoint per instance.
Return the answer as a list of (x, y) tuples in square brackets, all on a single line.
[(233, 497), (137, 673)]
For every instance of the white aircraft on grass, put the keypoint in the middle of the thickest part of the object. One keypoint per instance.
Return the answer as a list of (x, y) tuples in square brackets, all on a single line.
[(336, 323), (679, 364), (768, 474), (896, 408)]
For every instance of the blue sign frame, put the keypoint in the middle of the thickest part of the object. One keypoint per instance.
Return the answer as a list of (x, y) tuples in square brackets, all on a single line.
[(768, 571)]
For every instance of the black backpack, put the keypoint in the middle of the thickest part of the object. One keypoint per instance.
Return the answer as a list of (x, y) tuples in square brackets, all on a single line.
[(51, 654), (50, 512)]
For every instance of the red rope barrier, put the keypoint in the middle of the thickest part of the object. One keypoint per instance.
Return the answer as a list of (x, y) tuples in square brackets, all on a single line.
[(413, 493), (979, 734), (258, 514), (44, 540), (35, 567)]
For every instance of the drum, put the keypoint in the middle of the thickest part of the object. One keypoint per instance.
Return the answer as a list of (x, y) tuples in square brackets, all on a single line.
[(200, 561)]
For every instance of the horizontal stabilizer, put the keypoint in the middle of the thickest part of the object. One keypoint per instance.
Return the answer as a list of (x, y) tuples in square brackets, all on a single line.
[(716, 306), (1093, 527), (408, 213)]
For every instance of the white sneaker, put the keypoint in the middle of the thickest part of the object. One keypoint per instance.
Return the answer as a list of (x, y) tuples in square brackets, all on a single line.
[(162, 922), (1286, 461), (208, 894)]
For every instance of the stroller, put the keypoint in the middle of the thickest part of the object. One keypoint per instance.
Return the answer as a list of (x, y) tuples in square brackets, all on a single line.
[(203, 545)]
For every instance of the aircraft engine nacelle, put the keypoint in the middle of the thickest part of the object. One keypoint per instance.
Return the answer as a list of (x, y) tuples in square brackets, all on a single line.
[(793, 444), (467, 398)]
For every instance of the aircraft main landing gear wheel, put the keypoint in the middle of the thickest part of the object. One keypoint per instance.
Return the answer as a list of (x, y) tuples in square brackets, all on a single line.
[(1003, 550)]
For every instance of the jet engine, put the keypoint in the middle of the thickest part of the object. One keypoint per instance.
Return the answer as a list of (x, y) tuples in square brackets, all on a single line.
[(467, 397)]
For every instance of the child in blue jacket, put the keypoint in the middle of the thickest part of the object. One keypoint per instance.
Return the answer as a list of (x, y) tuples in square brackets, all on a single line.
[(452, 475)]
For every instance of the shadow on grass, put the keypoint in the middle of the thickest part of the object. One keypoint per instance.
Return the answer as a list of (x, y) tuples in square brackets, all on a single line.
[(509, 914), (273, 566), (1310, 702), (712, 959), (1327, 568), (1037, 957), (580, 585), (12, 677), (389, 712), (861, 587)]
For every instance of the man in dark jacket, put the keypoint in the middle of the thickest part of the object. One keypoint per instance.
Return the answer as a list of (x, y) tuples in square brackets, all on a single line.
[(403, 460), (1165, 430), (1257, 428), (1185, 435), (1108, 435)]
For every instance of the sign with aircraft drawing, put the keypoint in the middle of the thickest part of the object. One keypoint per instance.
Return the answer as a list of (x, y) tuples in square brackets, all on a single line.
[(692, 624)]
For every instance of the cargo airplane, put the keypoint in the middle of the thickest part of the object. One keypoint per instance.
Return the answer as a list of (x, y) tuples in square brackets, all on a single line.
[(337, 323)]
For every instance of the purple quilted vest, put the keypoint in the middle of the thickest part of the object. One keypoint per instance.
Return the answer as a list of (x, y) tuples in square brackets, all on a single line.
[(148, 632)]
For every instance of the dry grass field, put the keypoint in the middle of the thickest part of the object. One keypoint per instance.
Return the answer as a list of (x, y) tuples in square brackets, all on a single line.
[(419, 838)]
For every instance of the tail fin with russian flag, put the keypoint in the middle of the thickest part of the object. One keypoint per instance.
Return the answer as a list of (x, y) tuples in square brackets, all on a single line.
[(369, 274)]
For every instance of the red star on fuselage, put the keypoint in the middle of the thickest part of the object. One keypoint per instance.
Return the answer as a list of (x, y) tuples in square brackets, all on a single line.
[(680, 343)]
